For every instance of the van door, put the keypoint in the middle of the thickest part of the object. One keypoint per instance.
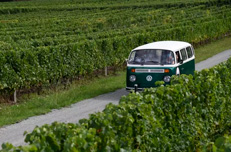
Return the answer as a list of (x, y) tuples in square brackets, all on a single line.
[(183, 66), (191, 61)]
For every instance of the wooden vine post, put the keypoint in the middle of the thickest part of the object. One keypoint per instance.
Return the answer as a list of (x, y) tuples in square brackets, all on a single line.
[(105, 71), (15, 96)]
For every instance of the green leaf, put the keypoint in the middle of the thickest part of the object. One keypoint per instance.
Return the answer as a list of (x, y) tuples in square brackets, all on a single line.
[(220, 142)]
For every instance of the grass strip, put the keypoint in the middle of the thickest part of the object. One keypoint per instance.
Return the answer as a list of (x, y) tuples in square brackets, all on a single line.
[(85, 89), (206, 51)]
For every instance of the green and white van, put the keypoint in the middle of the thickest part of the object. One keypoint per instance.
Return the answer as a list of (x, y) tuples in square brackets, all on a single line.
[(158, 61)]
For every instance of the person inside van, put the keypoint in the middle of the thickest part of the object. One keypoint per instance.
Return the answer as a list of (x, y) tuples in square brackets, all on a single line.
[(170, 58), (177, 57)]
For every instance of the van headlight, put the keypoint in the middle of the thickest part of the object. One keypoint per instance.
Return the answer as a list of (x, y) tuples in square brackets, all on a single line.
[(132, 78), (167, 79)]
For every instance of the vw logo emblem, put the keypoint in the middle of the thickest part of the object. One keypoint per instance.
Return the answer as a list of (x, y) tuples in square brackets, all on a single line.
[(149, 78)]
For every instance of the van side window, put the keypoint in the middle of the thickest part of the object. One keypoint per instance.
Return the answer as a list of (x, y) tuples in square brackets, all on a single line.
[(189, 52), (192, 50), (183, 54), (177, 57)]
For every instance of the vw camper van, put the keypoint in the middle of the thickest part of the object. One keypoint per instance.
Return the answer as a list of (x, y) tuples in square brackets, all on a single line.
[(158, 61)]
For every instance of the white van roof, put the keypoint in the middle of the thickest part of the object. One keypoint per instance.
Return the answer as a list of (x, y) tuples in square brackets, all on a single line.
[(164, 45)]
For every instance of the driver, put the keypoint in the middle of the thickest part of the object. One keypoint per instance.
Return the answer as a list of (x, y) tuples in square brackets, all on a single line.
[(170, 58)]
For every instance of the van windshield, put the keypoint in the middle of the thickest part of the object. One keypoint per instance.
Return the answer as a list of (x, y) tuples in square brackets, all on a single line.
[(151, 57)]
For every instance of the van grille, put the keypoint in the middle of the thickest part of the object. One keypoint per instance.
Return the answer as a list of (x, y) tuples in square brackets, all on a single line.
[(149, 70)]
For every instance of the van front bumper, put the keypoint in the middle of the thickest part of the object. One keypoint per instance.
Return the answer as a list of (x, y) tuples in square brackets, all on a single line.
[(133, 88)]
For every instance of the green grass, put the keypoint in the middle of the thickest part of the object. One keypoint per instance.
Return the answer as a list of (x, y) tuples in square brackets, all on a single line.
[(212, 48), (84, 89)]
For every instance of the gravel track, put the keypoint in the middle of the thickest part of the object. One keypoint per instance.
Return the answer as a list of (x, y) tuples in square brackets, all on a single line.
[(14, 133)]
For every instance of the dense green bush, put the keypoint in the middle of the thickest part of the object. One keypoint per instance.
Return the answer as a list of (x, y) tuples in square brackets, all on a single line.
[(191, 114), (221, 144)]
